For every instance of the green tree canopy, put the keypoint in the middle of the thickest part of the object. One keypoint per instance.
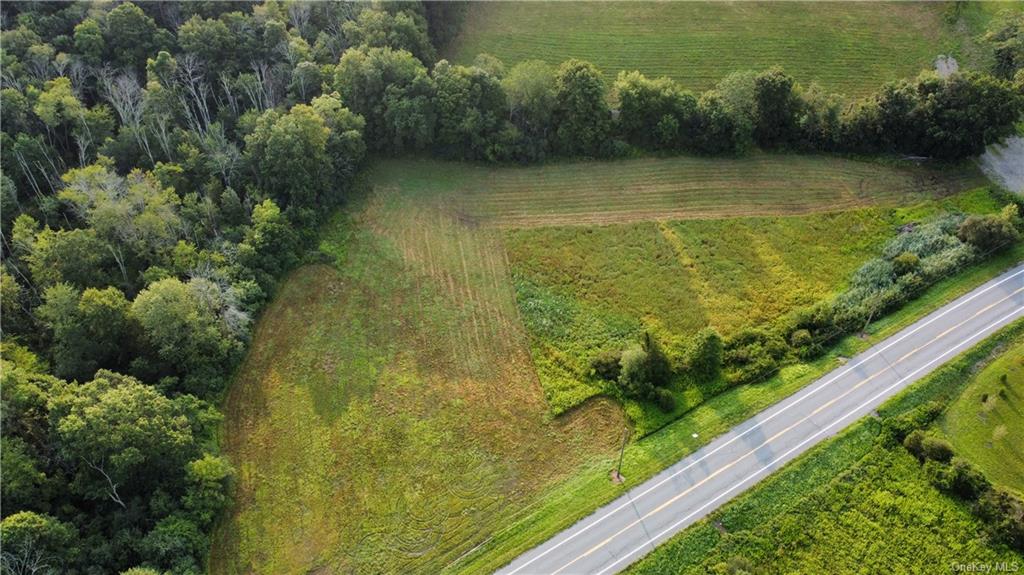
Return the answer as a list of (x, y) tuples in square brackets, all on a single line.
[(122, 436), (392, 91), (581, 116), (471, 110)]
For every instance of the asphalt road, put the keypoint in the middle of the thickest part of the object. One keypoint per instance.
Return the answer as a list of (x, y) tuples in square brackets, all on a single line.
[(631, 526)]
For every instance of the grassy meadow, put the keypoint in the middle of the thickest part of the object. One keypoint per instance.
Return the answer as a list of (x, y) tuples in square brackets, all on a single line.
[(847, 47), (985, 424), (583, 290), (871, 506), (389, 417)]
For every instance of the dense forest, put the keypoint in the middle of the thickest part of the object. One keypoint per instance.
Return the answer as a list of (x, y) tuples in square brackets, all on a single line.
[(164, 163)]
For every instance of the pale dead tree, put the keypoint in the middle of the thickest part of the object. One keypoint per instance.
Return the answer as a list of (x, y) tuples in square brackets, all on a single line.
[(194, 92), (9, 80), (83, 138), (124, 94), (38, 172), (267, 76), (298, 15), (61, 63), (25, 560), (159, 118), (111, 486), (171, 13), (222, 156), (79, 73), (38, 61), (336, 43), (230, 99), (304, 79), (251, 87), (216, 293)]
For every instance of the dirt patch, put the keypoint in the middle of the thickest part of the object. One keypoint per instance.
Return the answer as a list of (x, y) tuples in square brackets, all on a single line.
[(1004, 163)]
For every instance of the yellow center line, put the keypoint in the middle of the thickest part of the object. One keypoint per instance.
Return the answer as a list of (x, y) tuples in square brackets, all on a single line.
[(780, 433)]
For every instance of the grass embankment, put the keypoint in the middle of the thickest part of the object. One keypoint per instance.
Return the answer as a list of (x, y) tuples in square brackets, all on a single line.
[(986, 424), (852, 504), (850, 48), (389, 418)]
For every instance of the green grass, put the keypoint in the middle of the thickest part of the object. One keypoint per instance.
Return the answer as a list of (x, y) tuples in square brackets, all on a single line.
[(582, 290), (388, 417), (587, 489), (986, 425), (849, 504), (675, 188), (850, 48)]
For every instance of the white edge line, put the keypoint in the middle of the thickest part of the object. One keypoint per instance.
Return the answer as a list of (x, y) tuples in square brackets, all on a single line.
[(803, 393), (802, 443)]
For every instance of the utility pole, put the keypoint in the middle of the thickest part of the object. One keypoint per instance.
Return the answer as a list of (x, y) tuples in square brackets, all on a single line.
[(622, 450)]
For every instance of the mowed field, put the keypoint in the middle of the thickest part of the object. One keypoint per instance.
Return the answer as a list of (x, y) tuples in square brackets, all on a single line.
[(847, 47), (986, 424), (681, 187), (389, 417)]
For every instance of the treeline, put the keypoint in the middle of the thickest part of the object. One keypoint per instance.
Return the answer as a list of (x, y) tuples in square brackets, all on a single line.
[(910, 263), (164, 163), (1000, 510), (534, 111)]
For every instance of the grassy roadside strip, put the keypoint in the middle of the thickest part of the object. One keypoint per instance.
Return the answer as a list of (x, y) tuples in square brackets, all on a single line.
[(811, 474), (590, 488)]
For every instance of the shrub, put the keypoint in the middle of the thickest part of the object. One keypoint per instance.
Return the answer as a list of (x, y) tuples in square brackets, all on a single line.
[(659, 370), (634, 377), (936, 449), (753, 355), (958, 478), (896, 429), (665, 400), (705, 358), (905, 263), (605, 365), (913, 443), (988, 233), (1004, 514)]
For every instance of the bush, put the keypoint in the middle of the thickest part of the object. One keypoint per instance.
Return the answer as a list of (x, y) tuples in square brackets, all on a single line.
[(643, 368), (1004, 514), (988, 233), (665, 400), (753, 355), (958, 478), (913, 443), (936, 449), (905, 263), (605, 365), (896, 429), (705, 357), (635, 377)]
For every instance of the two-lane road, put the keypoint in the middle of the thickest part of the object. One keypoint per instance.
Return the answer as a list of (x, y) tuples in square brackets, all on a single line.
[(623, 531)]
